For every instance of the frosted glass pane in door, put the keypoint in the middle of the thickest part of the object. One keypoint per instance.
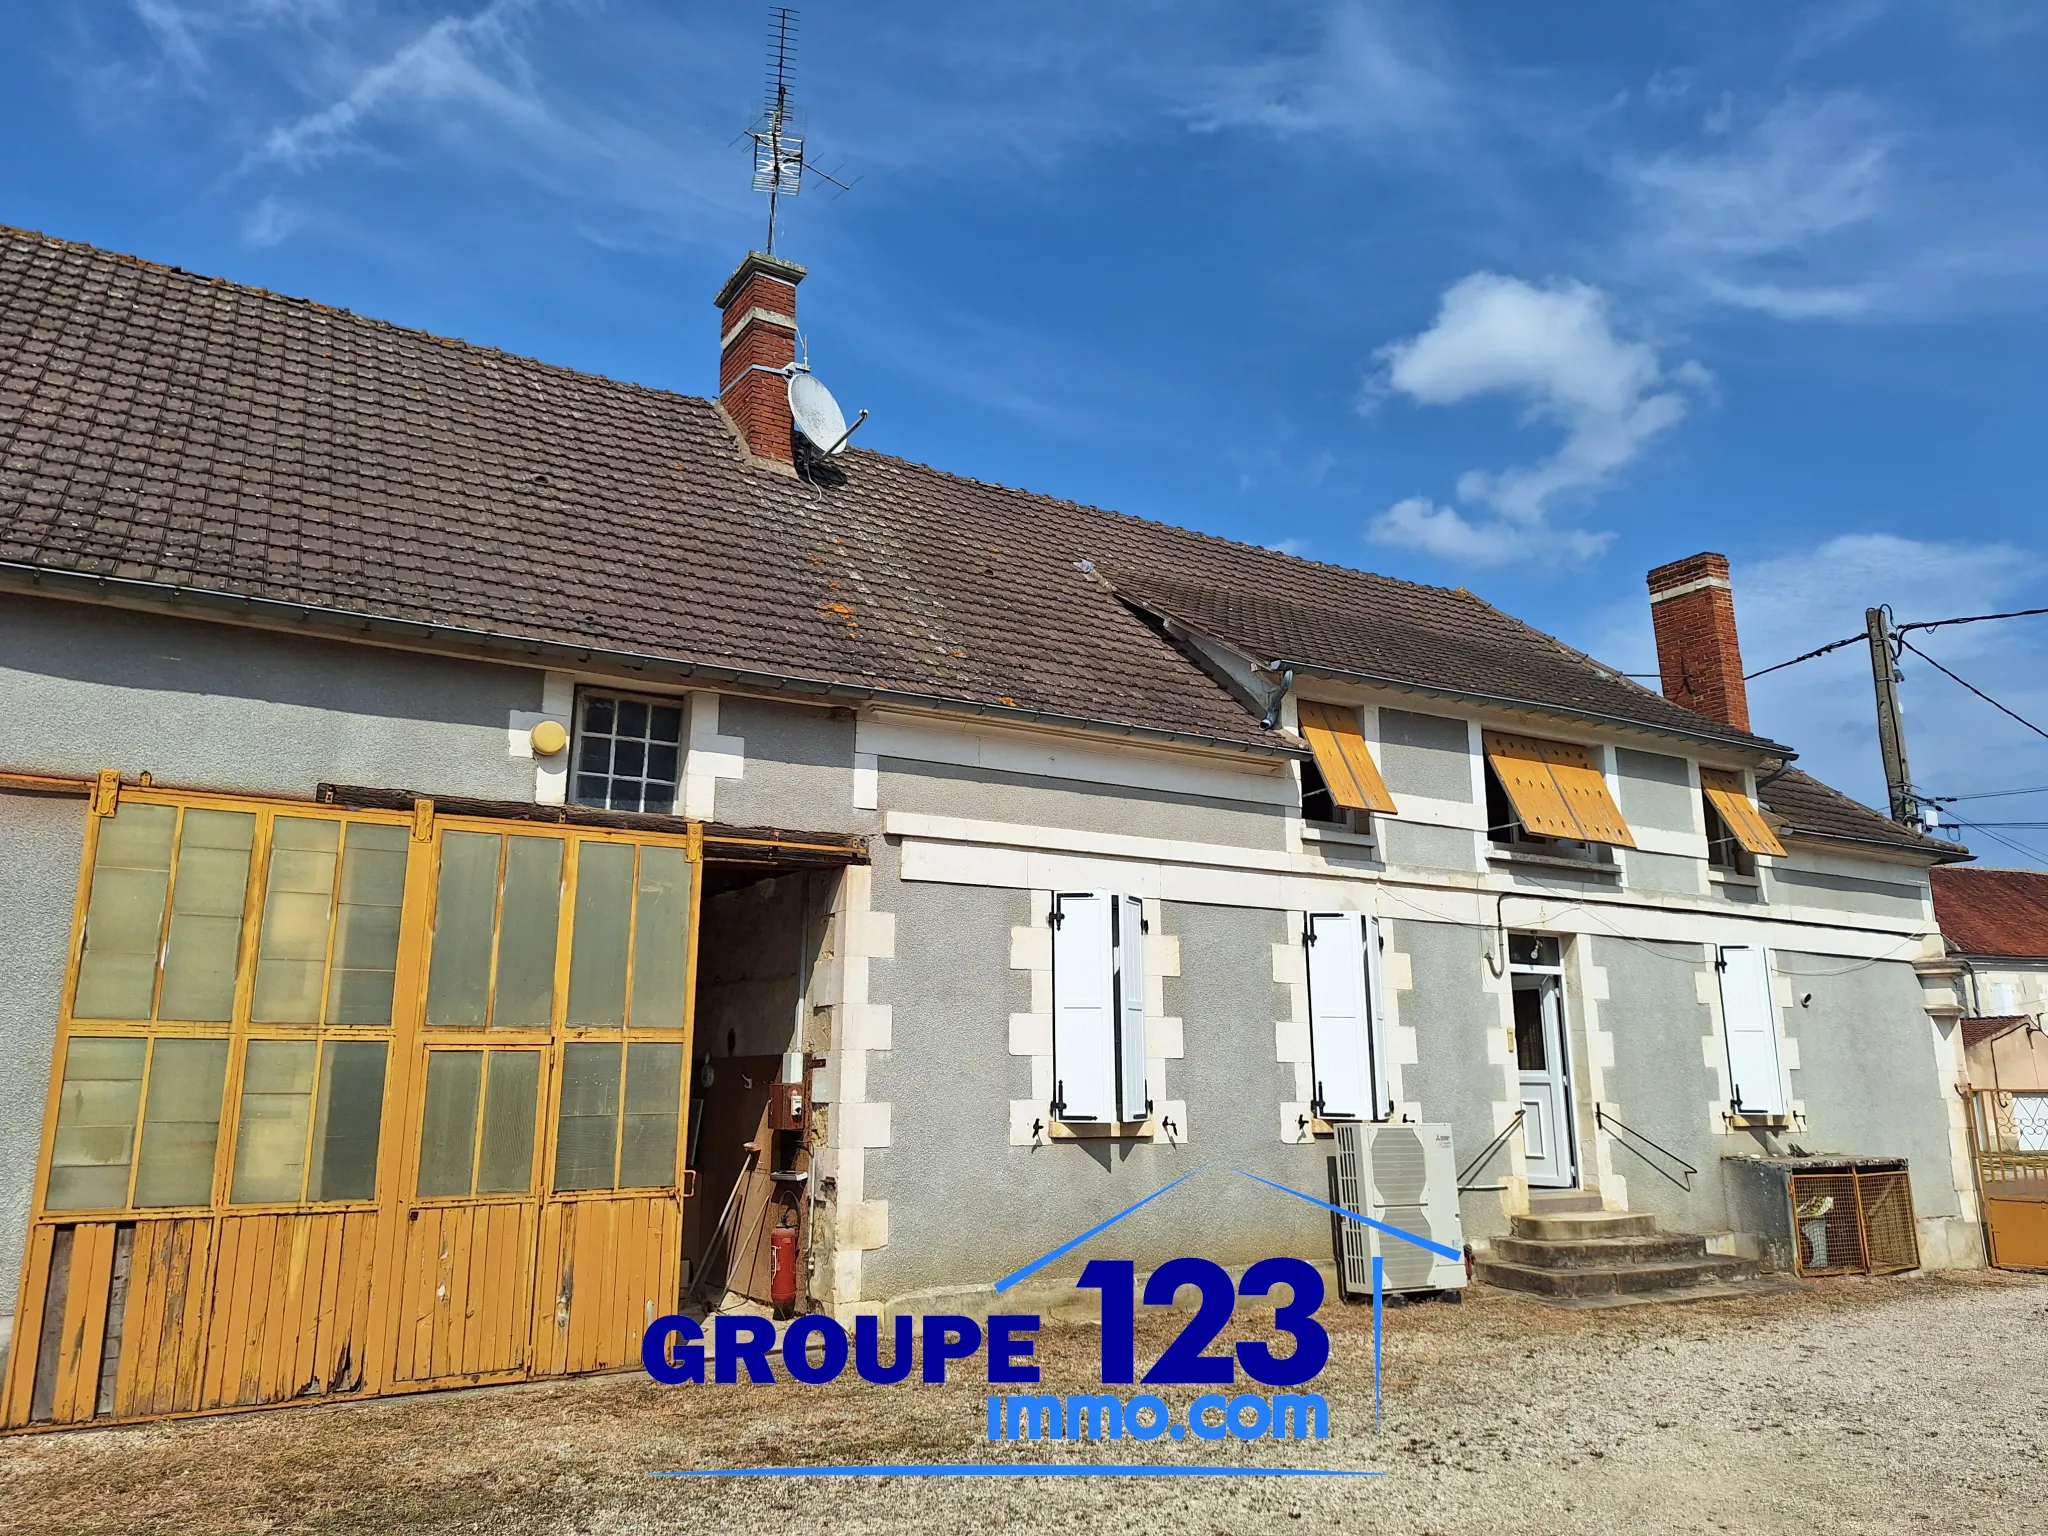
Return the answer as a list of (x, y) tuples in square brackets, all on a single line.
[(207, 901), (131, 876)]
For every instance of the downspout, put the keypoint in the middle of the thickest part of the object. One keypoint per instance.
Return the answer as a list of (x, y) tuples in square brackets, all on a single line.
[(1272, 718), (1763, 780)]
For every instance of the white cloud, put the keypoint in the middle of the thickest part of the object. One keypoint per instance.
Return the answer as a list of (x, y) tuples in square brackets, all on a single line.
[(1373, 72), (1748, 218), (1553, 349), (447, 65), (268, 223)]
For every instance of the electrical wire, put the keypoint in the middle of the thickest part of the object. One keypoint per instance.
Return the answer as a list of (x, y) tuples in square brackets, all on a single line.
[(1975, 618), (1899, 630), (1987, 794), (2020, 848), (1832, 645), (1944, 671)]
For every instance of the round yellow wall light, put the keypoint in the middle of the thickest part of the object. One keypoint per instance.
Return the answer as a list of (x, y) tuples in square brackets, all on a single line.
[(549, 738)]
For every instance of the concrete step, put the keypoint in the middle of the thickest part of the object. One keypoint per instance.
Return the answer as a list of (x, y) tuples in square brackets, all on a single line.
[(1615, 1279), (1600, 1252), (1578, 1226), (1565, 1204)]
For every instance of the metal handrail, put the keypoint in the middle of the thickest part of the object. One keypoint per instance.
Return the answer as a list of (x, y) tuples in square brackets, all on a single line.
[(1485, 1153), (1603, 1119)]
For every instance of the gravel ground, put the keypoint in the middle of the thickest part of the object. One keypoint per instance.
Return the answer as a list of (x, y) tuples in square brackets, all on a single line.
[(1906, 1404)]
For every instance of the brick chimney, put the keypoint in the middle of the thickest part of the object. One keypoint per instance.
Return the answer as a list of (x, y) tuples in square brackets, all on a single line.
[(758, 325), (1692, 609)]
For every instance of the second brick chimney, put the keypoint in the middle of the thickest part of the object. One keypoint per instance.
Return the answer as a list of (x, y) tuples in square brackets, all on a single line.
[(1692, 609), (757, 325)]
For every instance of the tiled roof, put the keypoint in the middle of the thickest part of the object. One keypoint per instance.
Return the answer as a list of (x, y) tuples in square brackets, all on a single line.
[(1807, 805), (1993, 911), (1351, 621), (1977, 1031), (170, 429), (163, 428)]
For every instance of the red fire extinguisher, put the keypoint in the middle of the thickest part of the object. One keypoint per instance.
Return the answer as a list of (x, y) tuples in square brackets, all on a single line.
[(782, 1267)]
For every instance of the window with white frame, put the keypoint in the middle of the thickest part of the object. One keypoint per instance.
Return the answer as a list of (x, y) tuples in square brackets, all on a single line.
[(1098, 1008), (1346, 1034), (1749, 1020), (628, 752)]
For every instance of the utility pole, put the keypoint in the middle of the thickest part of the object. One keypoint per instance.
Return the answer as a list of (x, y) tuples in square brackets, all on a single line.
[(1891, 729)]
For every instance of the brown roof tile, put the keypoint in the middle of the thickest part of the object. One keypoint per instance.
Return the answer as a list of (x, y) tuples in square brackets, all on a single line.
[(1806, 805), (164, 428), (1993, 911)]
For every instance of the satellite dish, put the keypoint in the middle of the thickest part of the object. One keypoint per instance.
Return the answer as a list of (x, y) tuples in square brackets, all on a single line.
[(818, 415)]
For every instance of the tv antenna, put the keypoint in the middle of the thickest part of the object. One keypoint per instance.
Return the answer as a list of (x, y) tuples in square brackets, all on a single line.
[(779, 164)]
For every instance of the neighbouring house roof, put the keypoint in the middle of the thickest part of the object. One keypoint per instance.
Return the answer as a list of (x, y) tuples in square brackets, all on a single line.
[(1811, 808), (1993, 911), (1977, 1031), (169, 437)]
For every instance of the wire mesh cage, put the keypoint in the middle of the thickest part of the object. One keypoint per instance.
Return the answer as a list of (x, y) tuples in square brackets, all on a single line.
[(1854, 1223), (1827, 1224), (1890, 1241)]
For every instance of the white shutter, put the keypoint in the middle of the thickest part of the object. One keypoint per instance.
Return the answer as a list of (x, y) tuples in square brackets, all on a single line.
[(1750, 1019), (1376, 1024), (1133, 1103), (1339, 1014), (1083, 1001)]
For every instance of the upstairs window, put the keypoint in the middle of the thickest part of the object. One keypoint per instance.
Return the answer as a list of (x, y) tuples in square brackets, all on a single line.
[(1550, 797), (1341, 787), (1724, 849), (628, 753), (1736, 829)]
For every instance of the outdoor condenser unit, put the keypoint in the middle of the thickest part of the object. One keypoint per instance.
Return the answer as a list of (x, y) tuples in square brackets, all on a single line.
[(1406, 1177)]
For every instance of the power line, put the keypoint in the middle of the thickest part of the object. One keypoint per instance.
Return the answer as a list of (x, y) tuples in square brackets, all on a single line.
[(1900, 629), (1944, 671), (1987, 794), (1975, 618), (2019, 848), (1832, 645)]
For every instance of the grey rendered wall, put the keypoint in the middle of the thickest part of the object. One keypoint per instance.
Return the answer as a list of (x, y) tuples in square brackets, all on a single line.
[(799, 767), (965, 1207), (84, 688), (1871, 895), (1662, 873), (1426, 755), (1867, 1069), (1660, 1082), (945, 789), (1425, 846), (44, 839), (1454, 1017), (1656, 791)]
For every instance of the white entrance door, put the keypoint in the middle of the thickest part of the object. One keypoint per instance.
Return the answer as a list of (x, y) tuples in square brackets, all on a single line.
[(1548, 1142)]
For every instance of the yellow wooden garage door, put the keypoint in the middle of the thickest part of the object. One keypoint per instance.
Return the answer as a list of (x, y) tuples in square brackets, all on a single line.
[(347, 1102)]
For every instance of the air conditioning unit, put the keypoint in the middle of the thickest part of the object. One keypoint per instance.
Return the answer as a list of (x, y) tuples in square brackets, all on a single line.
[(1406, 1177)]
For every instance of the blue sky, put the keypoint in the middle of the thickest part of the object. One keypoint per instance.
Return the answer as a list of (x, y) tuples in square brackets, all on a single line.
[(1521, 298)]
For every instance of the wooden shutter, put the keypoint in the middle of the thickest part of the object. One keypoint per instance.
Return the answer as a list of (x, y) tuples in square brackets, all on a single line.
[(1340, 1011), (1133, 1102), (1557, 789), (1343, 758), (1725, 791), (1083, 1004), (1749, 1018)]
